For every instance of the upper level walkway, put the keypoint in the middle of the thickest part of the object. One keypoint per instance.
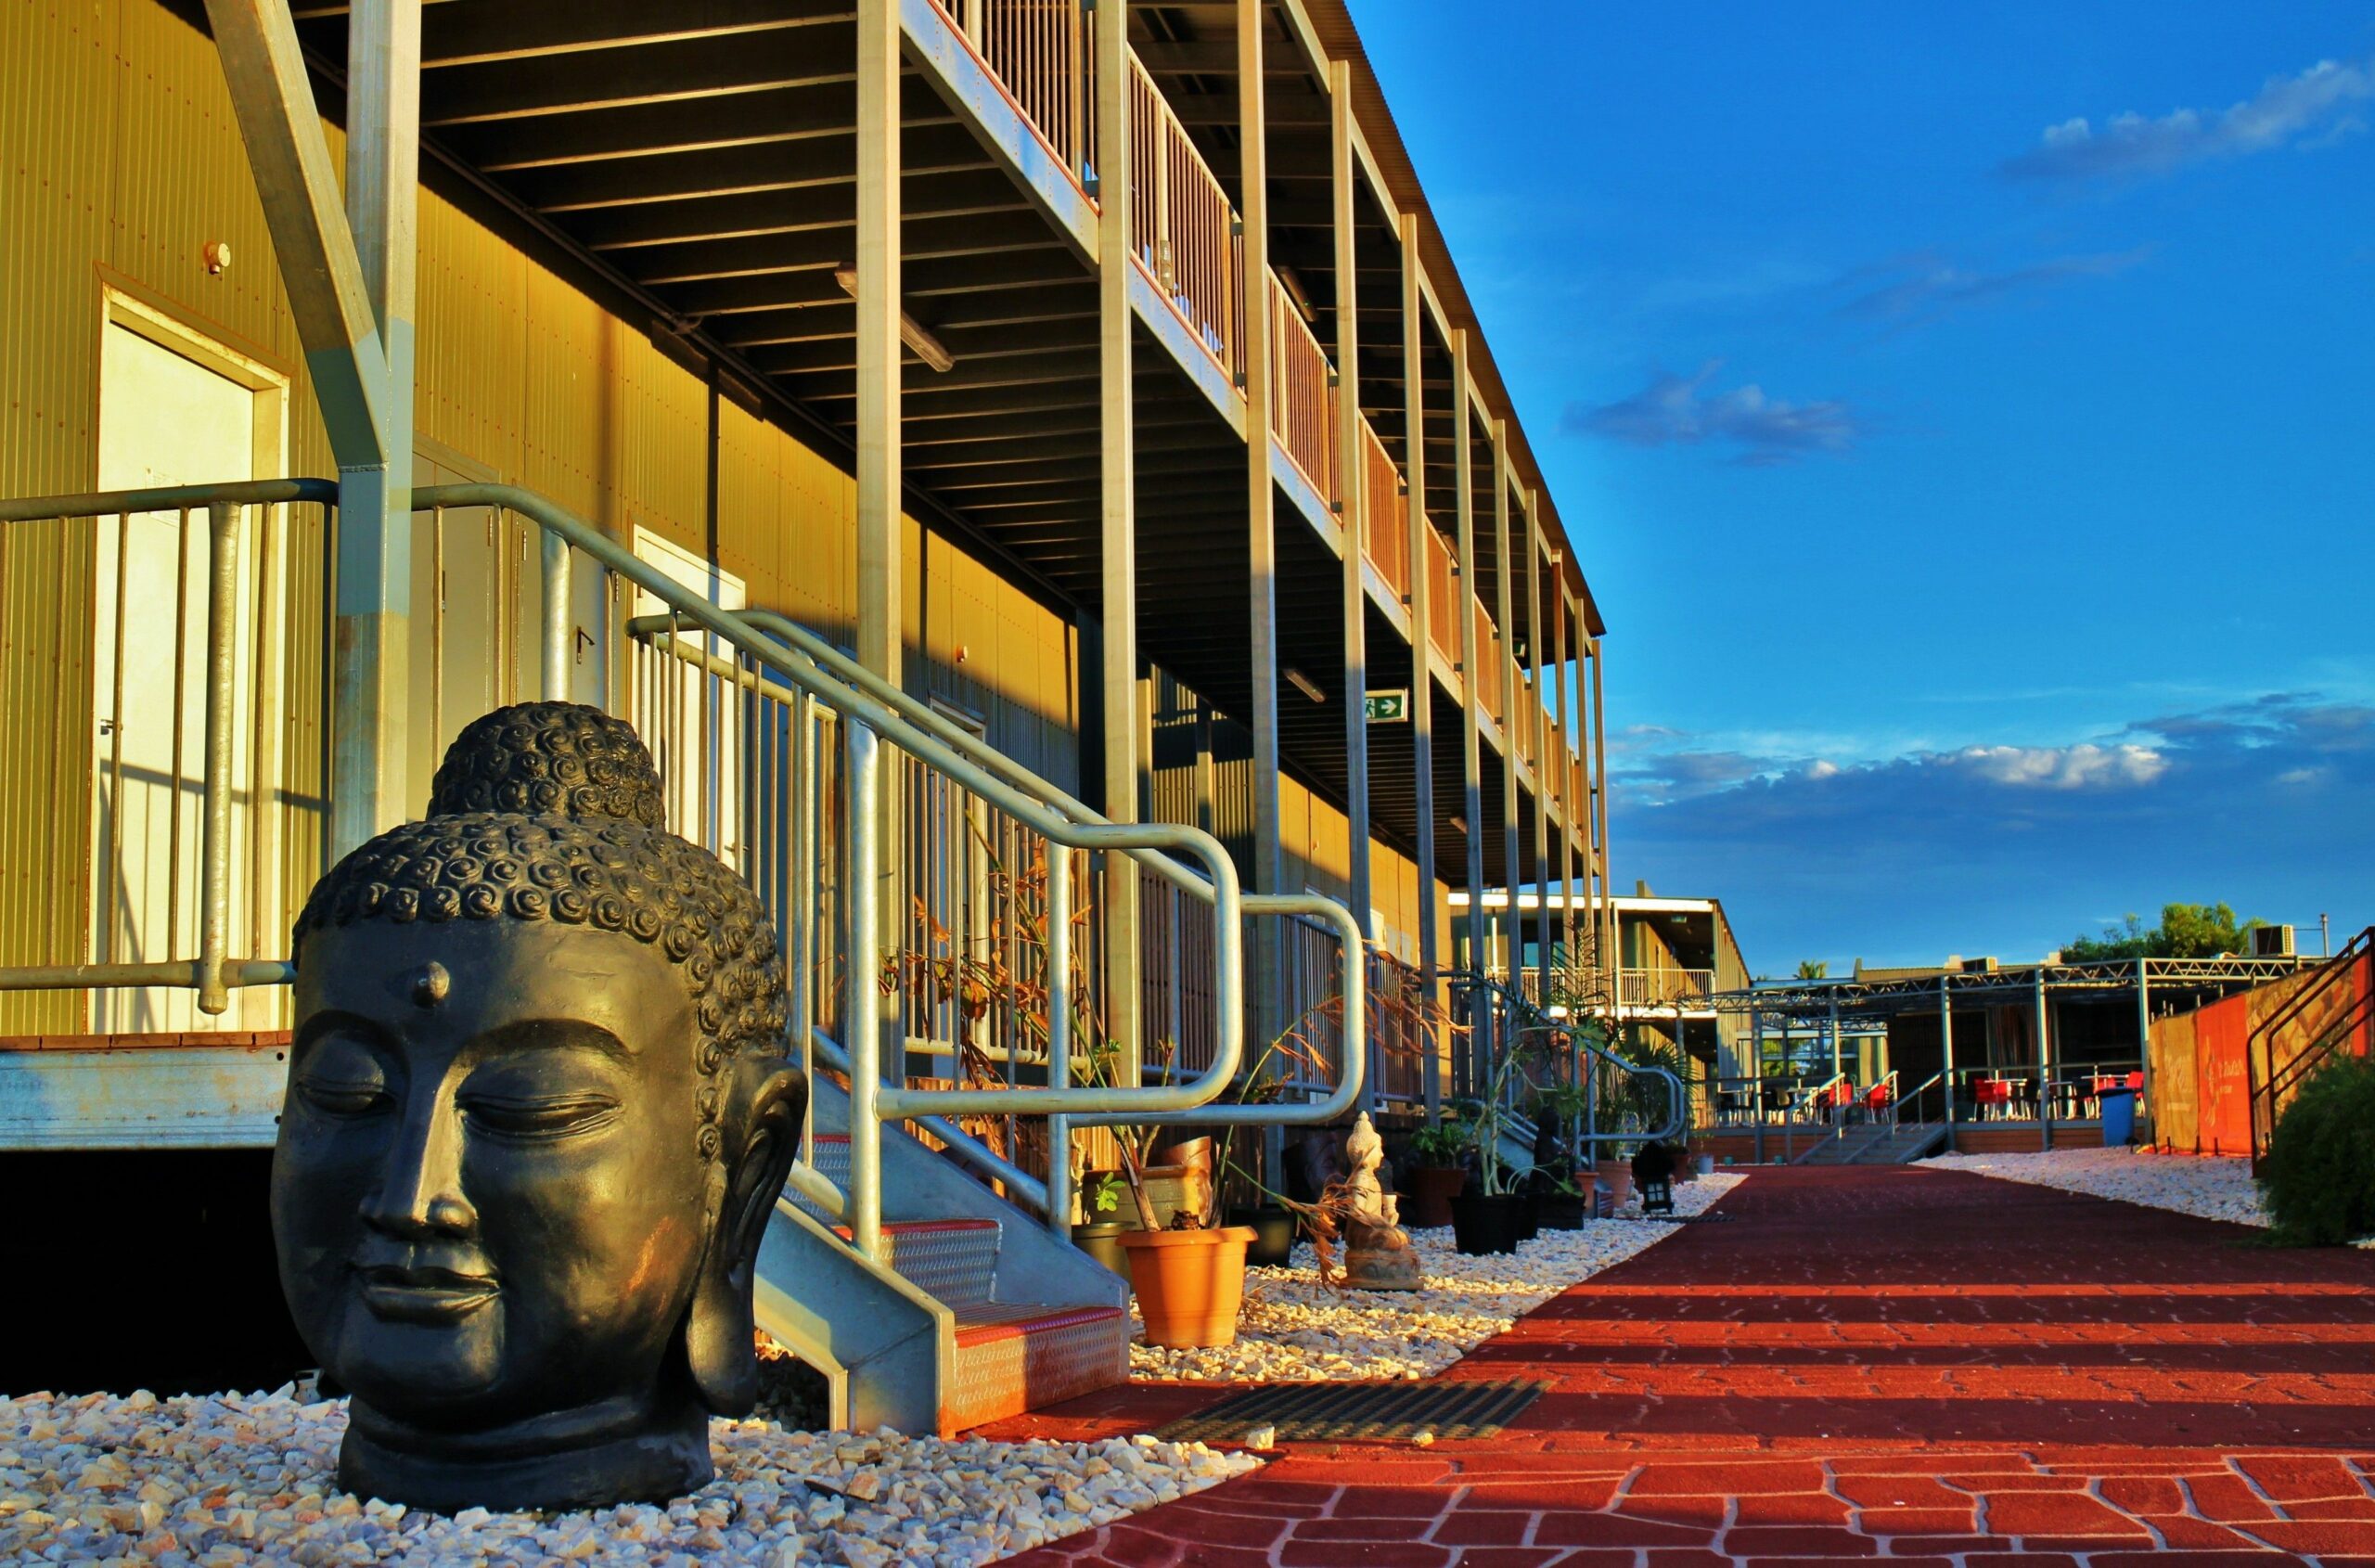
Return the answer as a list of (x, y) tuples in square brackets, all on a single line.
[(1904, 1364)]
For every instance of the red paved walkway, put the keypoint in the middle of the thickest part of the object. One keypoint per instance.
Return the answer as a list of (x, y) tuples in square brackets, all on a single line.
[(1900, 1364)]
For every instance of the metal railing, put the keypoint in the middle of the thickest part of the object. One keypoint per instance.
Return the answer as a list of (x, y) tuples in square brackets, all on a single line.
[(1302, 394), (768, 693), (1443, 595), (1183, 231), (2272, 1082), (204, 570), (1403, 1029), (1489, 659), (1663, 987), (1385, 514), (1041, 53)]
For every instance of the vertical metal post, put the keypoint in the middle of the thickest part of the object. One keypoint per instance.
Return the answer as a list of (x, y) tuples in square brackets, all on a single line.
[(1060, 1026), (556, 617), (1566, 775), (2044, 1065), (1352, 518), (1268, 868), (1757, 1079), (1537, 721), (1118, 579), (1472, 665), (881, 596), (2144, 1029), (1505, 652), (863, 944), (1600, 814), (1947, 1056), (374, 608), (215, 845), (1422, 680)]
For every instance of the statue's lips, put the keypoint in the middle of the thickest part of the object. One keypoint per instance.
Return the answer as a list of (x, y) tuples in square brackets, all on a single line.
[(424, 1295)]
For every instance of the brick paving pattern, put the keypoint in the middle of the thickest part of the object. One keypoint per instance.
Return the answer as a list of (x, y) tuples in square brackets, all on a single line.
[(1891, 1365)]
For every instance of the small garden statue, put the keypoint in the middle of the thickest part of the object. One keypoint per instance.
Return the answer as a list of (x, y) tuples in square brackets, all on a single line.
[(1377, 1253), (538, 1113)]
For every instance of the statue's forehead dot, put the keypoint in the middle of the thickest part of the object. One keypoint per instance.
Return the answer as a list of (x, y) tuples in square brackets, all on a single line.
[(431, 984)]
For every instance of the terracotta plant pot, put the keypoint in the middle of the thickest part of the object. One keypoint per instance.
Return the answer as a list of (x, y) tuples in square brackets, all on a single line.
[(1103, 1242), (1189, 1283), (1619, 1179), (1273, 1235), (1426, 1204), (1482, 1225)]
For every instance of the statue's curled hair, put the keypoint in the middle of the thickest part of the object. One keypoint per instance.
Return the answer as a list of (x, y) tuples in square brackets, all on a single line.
[(552, 811)]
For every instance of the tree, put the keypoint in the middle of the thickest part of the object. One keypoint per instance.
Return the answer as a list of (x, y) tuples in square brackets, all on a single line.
[(2187, 931), (1813, 968)]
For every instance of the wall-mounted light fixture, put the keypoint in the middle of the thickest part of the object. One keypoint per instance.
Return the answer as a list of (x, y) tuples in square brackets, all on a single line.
[(1302, 683), (928, 348)]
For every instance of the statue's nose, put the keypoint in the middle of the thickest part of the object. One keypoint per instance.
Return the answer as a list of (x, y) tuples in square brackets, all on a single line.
[(419, 1192)]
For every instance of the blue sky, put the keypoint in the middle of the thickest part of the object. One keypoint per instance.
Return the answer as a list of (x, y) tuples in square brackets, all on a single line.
[(1965, 417)]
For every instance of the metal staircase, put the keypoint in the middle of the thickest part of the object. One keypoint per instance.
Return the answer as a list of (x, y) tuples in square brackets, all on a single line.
[(1887, 1140), (2333, 1007), (934, 899)]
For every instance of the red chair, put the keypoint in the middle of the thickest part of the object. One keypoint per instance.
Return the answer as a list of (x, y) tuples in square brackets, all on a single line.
[(1876, 1099)]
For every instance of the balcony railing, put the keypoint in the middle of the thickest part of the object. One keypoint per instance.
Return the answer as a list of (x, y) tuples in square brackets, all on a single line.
[(1442, 598), (1488, 661), (1302, 393), (1039, 51), (1183, 230), (1663, 988), (1385, 514), (1188, 238)]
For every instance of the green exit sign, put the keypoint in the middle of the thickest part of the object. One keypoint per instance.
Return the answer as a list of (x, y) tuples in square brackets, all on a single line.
[(1388, 707)]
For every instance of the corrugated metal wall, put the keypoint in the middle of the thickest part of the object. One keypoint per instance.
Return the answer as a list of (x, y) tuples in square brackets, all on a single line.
[(120, 160)]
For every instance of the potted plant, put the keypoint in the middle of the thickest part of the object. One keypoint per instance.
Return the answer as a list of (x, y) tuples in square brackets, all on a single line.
[(1435, 1176), (1491, 1215), (1563, 1206)]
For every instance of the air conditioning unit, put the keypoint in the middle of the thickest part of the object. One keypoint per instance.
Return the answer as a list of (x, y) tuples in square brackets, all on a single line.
[(1979, 966), (2272, 942)]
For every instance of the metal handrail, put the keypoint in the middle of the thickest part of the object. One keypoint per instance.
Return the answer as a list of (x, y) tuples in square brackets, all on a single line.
[(214, 974), (873, 709)]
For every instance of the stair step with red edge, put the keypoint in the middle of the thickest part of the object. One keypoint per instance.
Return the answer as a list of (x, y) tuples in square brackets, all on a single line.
[(1016, 1357), (954, 1261)]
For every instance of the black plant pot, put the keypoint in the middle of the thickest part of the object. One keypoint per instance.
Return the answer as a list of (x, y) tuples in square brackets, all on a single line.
[(1273, 1235), (1529, 1215), (1560, 1211), (1480, 1225), (1103, 1242)]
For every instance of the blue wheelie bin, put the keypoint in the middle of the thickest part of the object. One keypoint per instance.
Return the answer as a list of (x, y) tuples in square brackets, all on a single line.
[(2119, 1117)]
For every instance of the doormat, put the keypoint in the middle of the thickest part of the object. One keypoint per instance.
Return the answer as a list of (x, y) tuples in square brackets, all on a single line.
[(1359, 1412)]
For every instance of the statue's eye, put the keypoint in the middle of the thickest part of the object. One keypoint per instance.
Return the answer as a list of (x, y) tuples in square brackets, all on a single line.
[(344, 1076), (541, 1116)]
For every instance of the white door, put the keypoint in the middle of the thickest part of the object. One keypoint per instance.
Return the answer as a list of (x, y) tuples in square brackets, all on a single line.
[(691, 721), (167, 420)]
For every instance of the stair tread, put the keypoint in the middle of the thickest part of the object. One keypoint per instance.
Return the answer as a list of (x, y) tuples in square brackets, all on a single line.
[(980, 1321), (923, 1227)]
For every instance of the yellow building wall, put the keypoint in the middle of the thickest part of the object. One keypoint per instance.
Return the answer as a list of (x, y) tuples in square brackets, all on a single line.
[(120, 161)]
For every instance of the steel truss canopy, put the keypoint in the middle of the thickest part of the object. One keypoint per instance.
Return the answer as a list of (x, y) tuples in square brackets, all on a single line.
[(1820, 1001)]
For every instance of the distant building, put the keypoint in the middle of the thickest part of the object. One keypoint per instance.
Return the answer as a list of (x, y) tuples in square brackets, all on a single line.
[(1672, 956)]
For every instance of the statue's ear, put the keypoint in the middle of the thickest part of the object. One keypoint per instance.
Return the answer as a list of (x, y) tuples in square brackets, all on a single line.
[(718, 1330)]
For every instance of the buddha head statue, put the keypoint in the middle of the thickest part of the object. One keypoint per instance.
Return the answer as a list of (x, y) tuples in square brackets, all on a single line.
[(538, 1114)]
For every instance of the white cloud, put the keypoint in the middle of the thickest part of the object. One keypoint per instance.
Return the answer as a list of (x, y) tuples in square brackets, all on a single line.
[(2312, 109), (2083, 766)]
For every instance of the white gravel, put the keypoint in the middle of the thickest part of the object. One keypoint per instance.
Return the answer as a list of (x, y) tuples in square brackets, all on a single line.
[(2207, 1186), (221, 1480), (1295, 1330)]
